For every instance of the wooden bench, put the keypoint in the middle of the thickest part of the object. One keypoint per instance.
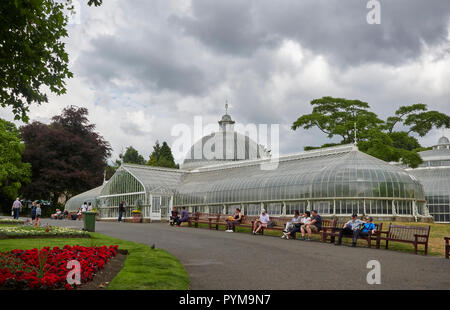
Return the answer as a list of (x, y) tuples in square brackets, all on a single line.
[(328, 226), (247, 221), (205, 218), (408, 234), (447, 247), (191, 218), (371, 237), (280, 224), (220, 220)]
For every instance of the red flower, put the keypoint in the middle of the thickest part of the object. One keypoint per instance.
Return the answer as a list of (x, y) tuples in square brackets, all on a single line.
[(46, 269)]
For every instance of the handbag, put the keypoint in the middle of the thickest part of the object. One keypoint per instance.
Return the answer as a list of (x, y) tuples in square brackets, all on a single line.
[(270, 224)]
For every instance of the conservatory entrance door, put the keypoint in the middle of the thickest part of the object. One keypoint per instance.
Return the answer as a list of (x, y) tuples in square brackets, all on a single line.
[(160, 207), (155, 213)]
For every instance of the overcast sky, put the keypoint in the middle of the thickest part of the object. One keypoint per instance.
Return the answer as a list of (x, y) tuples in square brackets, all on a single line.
[(142, 66)]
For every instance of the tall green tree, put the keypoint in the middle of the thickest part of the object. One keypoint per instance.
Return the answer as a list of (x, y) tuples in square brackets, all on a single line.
[(32, 52), (343, 118), (162, 156), (132, 156), (338, 116), (417, 119), (13, 171)]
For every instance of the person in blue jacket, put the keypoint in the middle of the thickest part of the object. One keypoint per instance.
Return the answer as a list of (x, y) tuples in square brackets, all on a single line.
[(367, 228)]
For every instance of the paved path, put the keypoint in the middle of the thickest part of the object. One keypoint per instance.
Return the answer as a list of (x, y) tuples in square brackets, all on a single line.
[(219, 260)]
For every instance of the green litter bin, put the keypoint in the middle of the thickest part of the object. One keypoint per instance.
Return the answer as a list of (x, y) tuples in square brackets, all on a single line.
[(89, 221)]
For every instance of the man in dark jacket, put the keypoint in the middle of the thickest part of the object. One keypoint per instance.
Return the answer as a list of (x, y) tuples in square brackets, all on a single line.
[(33, 210), (121, 210)]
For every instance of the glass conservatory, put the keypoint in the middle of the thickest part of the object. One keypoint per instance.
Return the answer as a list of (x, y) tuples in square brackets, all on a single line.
[(74, 203), (434, 174), (336, 181)]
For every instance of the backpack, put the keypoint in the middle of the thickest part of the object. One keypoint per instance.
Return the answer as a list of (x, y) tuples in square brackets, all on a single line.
[(270, 224)]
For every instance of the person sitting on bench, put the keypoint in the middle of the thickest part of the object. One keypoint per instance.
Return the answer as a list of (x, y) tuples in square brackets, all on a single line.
[(55, 215), (261, 222), (367, 228), (173, 216), (314, 226), (236, 219), (352, 228), (302, 220), (295, 220), (183, 218)]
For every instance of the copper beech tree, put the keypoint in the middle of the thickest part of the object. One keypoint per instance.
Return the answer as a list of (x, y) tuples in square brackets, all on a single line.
[(67, 156)]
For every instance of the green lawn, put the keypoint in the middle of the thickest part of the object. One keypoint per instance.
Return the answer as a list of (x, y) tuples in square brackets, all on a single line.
[(144, 268), (436, 243)]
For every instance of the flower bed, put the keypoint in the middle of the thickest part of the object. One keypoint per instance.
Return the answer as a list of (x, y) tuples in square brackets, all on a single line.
[(33, 232), (10, 221), (47, 268)]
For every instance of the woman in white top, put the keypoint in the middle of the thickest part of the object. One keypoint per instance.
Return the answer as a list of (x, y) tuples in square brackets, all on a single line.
[(296, 219), (305, 219), (261, 222)]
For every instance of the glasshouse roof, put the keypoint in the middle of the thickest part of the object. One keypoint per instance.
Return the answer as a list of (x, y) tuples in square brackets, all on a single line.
[(148, 179), (341, 172), (434, 181), (91, 196)]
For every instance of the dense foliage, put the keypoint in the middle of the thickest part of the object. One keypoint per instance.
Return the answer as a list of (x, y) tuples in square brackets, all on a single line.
[(13, 171), (132, 156), (32, 52), (162, 156), (344, 118), (67, 157)]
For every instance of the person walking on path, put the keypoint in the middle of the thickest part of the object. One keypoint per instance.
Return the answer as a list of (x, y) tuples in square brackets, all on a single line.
[(38, 214), (16, 208), (33, 210), (121, 210)]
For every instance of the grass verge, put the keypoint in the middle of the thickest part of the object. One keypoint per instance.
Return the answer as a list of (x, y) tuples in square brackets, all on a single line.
[(144, 268)]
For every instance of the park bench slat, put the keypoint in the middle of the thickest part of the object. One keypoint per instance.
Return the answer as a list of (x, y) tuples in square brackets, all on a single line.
[(369, 239), (408, 234)]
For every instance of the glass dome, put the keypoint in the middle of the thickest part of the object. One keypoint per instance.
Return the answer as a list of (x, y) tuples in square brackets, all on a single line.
[(223, 146)]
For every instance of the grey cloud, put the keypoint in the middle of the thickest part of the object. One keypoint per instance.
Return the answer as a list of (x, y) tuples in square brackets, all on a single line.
[(335, 28), (228, 49), (123, 59), (226, 26)]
